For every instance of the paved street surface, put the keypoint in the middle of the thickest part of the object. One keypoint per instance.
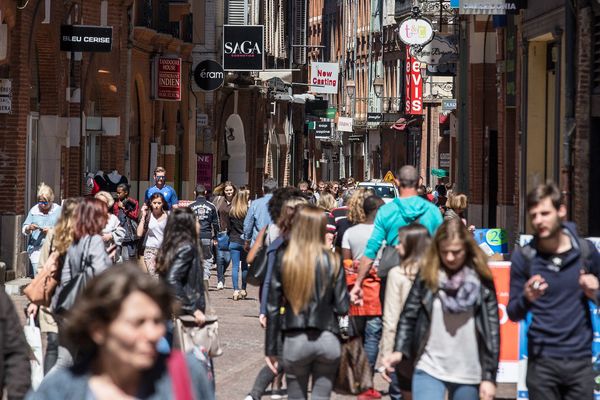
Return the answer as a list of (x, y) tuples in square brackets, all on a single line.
[(242, 340)]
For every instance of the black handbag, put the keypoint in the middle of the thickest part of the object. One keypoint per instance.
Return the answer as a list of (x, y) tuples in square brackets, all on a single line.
[(71, 291), (389, 259), (258, 269)]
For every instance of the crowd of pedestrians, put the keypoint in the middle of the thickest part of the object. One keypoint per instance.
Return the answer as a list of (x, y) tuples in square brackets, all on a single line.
[(398, 287)]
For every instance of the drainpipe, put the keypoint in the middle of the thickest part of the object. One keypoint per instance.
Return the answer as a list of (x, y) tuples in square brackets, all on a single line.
[(523, 138), (127, 172), (570, 123)]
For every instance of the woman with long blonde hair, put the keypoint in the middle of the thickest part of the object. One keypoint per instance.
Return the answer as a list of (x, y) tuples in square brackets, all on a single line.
[(235, 230), (309, 282), (452, 305)]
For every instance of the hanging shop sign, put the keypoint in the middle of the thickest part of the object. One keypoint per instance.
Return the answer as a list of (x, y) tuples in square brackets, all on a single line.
[(167, 80), (5, 96), (356, 138), (204, 167), (487, 7), (416, 31), (344, 124), (375, 117), (209, 75), (414, 86), (86, 38), (324, 77), (243, 47), (448, 104), (442, 49), (323, 130)]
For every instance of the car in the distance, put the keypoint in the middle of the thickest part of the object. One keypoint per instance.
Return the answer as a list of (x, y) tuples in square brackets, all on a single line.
[(386, 190)]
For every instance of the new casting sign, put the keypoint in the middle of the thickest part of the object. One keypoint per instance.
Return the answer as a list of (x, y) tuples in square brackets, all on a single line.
[(86, 38), (243, 47)]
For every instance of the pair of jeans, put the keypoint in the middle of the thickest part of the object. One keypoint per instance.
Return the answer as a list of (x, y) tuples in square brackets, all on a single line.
[(310, 353), (370, 329), (223, 260), (238, 255), (207, 256), (560, 379), (426, 387)]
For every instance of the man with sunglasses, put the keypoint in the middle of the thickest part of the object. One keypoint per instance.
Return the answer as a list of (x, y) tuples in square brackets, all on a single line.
[(160, 181)]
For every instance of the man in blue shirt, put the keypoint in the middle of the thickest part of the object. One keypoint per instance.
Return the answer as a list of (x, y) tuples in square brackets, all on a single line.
[(160, 180), (258, 214)]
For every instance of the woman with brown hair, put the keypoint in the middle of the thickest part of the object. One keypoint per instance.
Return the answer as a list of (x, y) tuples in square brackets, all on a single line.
[(237, 214), (452, 305), (310, 281), (152, 229), (117, 324), (223, 203)]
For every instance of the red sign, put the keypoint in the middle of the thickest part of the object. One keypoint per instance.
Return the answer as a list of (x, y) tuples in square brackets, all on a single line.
[(509, 330), (414, 85), (168, 79), (204, 170)]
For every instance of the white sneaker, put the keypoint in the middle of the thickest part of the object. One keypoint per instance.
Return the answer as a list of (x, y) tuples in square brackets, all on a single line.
[(248, 398), (220, 286)]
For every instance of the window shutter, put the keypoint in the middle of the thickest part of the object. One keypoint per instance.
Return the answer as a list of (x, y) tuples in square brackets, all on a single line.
[(299, 30), (236, 12)]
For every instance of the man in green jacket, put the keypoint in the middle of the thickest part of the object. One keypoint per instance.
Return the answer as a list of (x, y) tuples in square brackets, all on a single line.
[(402, 211)]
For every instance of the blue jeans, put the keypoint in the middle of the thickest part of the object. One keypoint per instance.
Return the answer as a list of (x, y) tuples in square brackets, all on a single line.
[(238, 254), (426, 387), (223, 260)]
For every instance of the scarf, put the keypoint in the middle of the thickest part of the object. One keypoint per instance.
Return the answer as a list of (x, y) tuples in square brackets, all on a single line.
[(460, 292)]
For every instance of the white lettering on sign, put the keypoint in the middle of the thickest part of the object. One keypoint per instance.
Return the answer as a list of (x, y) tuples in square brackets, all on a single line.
[(245, 47), (168, 79), (414, 85)]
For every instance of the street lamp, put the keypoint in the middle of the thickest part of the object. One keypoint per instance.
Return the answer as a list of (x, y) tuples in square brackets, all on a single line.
[(378, 86), (350, 88)]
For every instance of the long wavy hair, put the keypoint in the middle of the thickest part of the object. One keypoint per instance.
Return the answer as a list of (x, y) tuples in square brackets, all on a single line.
[(63, 230), (305, 249), (239, 204), (90, 218), (453, 229), (415, 240), (356, 212), (180, 230)]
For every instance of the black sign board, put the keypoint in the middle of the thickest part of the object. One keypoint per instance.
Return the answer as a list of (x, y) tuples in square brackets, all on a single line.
[(514, 6), (243, 47), (316, 107), (323, 130), (356, 138), (209, 75), (86, 38), (374, 117)]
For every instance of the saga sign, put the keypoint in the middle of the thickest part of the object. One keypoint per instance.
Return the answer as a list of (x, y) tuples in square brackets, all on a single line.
[(416, 31), (243, 47)]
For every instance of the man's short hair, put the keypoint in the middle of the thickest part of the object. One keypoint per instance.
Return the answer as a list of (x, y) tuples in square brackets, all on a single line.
[(159, 169), (408, 177), (200, 190), (269, 185), (124, 187), (542, 191)]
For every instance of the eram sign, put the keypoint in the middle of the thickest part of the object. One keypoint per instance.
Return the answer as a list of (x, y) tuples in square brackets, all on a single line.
[(325, 77), (414, 86)]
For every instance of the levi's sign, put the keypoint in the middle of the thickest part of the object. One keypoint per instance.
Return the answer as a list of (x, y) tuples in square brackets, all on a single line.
[(243, 47), (86, 38)]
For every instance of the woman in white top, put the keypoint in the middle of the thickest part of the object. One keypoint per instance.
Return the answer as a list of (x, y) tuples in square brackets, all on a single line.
[(113, 232), (152, 228)]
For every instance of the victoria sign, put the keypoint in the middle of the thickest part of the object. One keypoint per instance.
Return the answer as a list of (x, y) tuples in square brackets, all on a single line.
[(243, 47)]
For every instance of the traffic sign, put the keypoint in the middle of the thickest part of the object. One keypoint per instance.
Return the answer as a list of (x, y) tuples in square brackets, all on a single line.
[(389, 177)]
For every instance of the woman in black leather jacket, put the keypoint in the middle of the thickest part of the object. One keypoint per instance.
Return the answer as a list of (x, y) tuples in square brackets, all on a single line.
[(309, 283), (449, 329), (180, 263)]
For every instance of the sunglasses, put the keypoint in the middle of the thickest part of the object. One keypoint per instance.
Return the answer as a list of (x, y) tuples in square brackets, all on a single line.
[(160, 178), (43, 203)]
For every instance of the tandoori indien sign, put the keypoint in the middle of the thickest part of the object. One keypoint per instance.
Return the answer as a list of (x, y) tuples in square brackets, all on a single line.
[(325, 77), (414, 86), (168, 78)]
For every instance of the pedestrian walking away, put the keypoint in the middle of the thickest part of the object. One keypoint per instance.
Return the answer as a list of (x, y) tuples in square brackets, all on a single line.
[(258, 214), (402, 211), (208, 218), (451, 305), (312, 282), (235, 231), (223, 204), (551, 279)]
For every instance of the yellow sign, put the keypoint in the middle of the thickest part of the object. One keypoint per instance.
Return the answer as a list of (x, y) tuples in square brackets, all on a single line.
[(389, 177)]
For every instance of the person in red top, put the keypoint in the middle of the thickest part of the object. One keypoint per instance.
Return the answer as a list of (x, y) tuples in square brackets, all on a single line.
[(127, 210)]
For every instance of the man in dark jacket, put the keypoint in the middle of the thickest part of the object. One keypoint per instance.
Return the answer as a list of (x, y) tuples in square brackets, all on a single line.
[(208, 218), (15, 371), (552, 278)]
